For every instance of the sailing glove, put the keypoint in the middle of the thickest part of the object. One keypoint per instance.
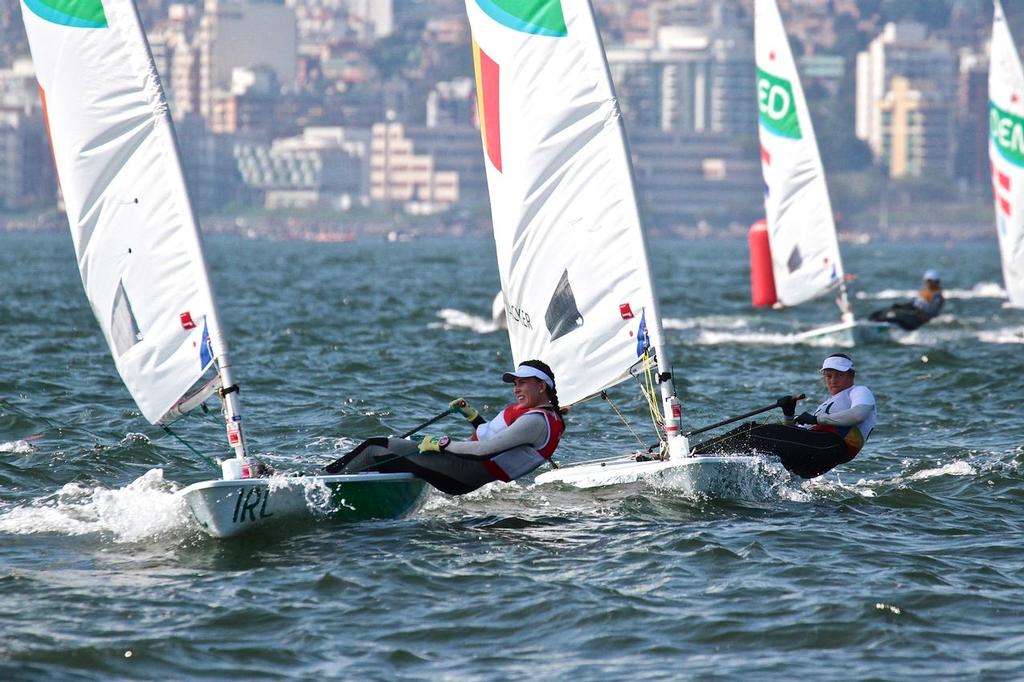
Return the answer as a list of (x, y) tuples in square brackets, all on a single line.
[(462, 407), (806, 418), (788, 405), (434, 443)]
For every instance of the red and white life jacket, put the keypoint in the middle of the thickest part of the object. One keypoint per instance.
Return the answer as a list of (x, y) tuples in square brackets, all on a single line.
[(518, 461)]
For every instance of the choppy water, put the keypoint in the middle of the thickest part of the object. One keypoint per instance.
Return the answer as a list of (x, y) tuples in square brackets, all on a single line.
[(904, 564)]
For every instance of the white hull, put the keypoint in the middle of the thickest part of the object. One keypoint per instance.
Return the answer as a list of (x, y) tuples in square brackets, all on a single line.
[(727, 476), (224, 508), (846, 333)]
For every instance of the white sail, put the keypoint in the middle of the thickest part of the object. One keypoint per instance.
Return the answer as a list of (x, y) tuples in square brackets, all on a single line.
[(801, 231), (1006, 152), (571, 250), (135, 234)]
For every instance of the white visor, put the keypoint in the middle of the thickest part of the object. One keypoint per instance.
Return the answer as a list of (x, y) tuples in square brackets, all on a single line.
[(837, 363), (525, 372)]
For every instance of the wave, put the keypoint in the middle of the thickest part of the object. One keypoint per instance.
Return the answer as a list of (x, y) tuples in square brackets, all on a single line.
[(18, 447), (457, 319), (1005, 335), (147, 507), (706, 321), (979, 290), (952, 469), (712, 338)]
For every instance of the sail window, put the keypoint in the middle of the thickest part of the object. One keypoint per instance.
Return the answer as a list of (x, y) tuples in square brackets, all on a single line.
[(124, 330), (795, 259), (563, 316)]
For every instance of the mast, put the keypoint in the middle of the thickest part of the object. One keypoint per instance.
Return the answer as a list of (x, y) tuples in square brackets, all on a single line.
[(135, 233), (228, 392), (678, 445), (571, 249), (805, 248)]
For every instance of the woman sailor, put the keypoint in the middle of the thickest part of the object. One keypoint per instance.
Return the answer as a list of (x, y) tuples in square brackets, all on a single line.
[(521, 438)]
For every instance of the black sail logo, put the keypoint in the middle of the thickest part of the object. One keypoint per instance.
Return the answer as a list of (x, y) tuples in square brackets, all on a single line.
[(562, 315)]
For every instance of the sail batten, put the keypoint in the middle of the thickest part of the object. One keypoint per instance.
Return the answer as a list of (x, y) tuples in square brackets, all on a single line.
[(136, 238), (801, 230), (1006, 152)]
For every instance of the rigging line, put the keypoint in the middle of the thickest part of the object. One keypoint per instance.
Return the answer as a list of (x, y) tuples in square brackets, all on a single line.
[(731, 436), (649, 392), (604, 394), (189, 446)]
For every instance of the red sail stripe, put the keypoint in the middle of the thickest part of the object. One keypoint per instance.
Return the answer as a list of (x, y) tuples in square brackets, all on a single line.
[(489, 79), (1004, 206), (765, 156)]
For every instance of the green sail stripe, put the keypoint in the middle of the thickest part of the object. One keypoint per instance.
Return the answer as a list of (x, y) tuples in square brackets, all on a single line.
[(541, 17), (1007, 132), (77, 13), (776, 106)]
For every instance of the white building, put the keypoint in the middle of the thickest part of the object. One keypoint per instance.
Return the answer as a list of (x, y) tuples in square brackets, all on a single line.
[(322, 168), (399, 175)]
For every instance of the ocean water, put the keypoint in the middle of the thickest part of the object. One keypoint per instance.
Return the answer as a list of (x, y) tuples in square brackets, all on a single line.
[(906, 563)]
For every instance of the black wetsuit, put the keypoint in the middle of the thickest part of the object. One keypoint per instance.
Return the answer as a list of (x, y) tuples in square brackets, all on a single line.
[(465, 465), (910, 316), (803, 452), (448, 472)]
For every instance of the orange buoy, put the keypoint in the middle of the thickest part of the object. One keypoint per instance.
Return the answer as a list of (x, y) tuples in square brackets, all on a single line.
[(762, 281)]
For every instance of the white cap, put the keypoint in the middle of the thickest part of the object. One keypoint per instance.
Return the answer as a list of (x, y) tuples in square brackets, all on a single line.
[(931, 276), (838, 363), (525, 372)]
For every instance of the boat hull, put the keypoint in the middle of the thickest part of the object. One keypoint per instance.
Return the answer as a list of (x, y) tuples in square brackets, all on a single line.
[(699, 476), (846, 333), (225, 508)]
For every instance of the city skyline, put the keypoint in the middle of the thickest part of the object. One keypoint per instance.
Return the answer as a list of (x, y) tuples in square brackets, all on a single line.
[(248, 110)]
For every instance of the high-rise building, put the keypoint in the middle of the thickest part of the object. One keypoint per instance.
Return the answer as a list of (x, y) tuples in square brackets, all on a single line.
[(923, 105), (916, 130), (243, 34), (972, 162), (27, 177), (372, 19), (692, 81)]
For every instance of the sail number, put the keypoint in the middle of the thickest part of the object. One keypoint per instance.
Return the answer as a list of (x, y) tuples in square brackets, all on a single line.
[(251, 502), (1007, 132), (775, 105)]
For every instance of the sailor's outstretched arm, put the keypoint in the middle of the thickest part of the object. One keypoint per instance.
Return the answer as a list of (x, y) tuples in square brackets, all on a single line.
[(854, 415), (530, 429)]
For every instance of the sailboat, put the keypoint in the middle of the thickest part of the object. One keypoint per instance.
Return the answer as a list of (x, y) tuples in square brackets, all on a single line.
[(1006, 152), (571, 249), (142, 264), (801, 233)]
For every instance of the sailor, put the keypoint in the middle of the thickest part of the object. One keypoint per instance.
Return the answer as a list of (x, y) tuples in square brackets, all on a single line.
[(814, 442), (925, 306), (521, 438), (841, 425)]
